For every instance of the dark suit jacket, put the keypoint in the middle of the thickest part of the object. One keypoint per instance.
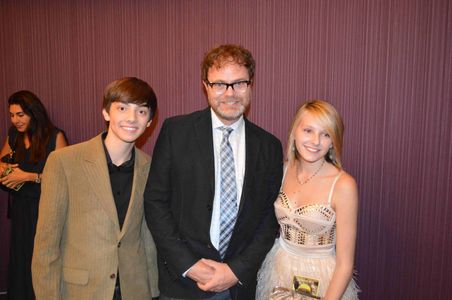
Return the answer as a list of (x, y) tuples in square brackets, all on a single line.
[(179, 198)]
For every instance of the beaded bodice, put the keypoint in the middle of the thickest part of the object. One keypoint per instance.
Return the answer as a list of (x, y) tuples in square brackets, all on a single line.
[(310, 225)]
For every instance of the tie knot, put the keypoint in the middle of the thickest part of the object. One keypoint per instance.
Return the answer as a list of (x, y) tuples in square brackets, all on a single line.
[(226, 131)]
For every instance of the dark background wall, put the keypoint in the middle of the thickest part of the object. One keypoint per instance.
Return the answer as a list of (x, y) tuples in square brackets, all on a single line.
[(385, 64)]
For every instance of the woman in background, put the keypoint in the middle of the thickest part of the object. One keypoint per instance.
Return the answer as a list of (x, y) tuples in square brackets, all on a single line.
[(317, 210), (31, 138)]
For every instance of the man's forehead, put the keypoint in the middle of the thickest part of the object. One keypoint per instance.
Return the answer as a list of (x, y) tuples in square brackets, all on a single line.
[(221, 63)]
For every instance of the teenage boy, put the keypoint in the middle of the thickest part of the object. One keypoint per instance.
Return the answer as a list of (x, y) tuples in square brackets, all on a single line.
[(91, 240)]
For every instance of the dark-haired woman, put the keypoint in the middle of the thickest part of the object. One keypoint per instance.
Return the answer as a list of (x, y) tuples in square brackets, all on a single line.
[(31, 138)]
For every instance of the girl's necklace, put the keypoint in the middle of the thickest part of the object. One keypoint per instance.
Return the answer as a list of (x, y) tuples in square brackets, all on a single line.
[(310, 177)]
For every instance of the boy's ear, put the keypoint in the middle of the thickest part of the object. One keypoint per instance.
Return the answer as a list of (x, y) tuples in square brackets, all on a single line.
[(149, 123), (106, 115)]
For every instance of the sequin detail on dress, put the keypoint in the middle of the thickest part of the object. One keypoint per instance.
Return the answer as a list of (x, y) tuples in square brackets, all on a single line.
[(308, 225)]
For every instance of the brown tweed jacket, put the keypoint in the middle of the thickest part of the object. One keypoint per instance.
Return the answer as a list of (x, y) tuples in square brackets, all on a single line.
[(79, 246)]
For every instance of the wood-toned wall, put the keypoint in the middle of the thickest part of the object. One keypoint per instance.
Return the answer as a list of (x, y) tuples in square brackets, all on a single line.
[(385, 64)]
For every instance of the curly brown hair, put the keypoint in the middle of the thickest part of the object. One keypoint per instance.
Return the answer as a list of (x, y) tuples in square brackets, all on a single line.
[(224, 54)]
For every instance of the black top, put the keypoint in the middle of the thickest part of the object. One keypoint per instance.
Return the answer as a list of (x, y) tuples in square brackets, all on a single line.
[(121, 179), (30, 189)]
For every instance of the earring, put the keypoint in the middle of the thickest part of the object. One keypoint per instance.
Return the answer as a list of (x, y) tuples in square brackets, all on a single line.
[(331, 153)]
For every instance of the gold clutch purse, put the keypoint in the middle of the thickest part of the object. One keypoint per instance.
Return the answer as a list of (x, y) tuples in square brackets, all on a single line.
[(304, 288), (280, 293)]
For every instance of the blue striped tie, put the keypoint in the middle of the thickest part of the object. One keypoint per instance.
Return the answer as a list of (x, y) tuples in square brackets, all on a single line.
[(228, 194)]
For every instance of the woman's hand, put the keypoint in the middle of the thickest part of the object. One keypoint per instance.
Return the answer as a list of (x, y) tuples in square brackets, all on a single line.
[(3, 167), (16, 177)]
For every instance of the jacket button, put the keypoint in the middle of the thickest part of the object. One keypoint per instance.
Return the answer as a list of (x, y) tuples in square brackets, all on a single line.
[(113, 276), (119, 244)]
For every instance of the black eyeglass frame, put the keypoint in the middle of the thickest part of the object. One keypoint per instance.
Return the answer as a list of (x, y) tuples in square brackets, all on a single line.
[(211, 84)]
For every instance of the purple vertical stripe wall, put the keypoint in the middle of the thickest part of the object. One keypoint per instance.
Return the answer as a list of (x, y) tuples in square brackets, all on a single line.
[(385, 64)]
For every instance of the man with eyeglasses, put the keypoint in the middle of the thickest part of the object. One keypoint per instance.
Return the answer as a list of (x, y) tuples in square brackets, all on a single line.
[(211, 187)]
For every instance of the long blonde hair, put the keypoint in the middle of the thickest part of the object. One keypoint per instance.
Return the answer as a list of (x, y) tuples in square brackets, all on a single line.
[(332, 122)]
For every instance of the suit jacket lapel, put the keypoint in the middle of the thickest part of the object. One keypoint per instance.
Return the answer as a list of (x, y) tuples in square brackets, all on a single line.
[(252, 153), (96, 172), (204, 138), (139, 182)]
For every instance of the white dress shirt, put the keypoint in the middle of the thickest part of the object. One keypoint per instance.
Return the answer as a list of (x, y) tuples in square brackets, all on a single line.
[(237, 141)]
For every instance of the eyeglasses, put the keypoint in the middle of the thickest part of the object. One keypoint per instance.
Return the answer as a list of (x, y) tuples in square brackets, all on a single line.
[(222, 87)]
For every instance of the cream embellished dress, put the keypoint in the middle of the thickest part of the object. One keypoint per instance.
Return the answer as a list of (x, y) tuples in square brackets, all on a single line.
[(306, 248)]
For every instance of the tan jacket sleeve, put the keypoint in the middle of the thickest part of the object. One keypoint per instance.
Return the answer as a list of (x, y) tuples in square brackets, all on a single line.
[(46, 263), (151, 259)]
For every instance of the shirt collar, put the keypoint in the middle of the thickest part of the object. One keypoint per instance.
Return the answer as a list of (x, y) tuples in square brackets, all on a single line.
[(125, 164)]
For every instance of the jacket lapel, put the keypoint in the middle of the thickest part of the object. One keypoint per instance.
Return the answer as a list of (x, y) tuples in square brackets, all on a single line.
[(252, 153), (139, 182), (96, 172), (204, 138)]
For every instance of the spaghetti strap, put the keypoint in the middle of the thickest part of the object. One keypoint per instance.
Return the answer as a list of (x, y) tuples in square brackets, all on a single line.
[(332, 187)]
